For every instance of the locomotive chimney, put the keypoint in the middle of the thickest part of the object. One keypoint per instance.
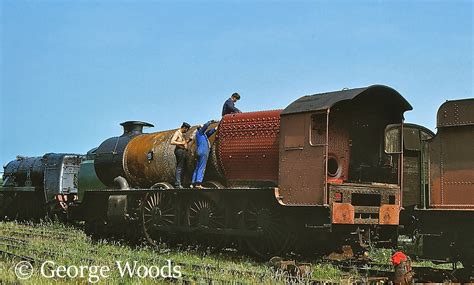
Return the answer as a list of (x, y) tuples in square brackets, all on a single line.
[(134, 127)]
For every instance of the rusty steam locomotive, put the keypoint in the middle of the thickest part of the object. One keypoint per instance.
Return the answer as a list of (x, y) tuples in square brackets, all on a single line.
[(328, 169)]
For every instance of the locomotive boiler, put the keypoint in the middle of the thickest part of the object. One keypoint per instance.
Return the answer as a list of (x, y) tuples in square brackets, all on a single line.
[(315, 171), (36, 186)]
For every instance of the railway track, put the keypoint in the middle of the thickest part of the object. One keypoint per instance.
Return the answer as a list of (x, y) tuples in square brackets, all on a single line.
[(20, 244)]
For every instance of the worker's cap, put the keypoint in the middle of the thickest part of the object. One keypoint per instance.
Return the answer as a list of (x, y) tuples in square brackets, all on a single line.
[(185, 125), (236, 96)]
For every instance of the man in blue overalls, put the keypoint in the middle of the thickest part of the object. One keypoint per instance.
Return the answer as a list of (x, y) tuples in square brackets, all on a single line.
[(202, 150)]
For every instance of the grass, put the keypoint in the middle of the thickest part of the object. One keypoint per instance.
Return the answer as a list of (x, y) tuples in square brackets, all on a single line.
[(67, 246)]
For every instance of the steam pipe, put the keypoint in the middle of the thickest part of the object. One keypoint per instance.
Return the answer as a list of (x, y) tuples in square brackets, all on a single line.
[(122, 182)]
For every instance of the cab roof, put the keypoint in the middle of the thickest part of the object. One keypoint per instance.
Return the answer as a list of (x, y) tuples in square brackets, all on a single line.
[(324, 101)]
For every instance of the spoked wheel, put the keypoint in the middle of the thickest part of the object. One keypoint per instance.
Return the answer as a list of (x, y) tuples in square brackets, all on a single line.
[(204, 214), (161, 185), (274, 234), (158, 212)]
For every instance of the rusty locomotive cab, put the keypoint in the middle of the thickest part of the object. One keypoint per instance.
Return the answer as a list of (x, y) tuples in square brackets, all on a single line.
[(332, 152)]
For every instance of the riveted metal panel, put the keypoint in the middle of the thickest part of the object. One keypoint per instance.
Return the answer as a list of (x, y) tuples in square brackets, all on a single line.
[(456, 113), (452, 168), (339, 143), (247, 147), (302, 171)]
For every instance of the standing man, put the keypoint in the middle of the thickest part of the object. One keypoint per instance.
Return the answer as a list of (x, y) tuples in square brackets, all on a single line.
[(180, 151), (229, 107), (202, 149)]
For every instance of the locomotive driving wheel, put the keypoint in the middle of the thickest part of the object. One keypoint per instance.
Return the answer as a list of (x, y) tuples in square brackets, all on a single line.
[(274, 236), (158, 212), (204, 214)]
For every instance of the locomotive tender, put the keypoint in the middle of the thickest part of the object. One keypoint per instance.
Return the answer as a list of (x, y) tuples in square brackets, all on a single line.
[(316, 171), (439, 205)]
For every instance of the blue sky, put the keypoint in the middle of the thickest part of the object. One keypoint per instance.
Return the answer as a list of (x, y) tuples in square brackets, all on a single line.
[(71, 71)]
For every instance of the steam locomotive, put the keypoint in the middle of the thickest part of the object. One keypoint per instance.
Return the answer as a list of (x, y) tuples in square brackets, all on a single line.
[(34, 187), (329, 169)]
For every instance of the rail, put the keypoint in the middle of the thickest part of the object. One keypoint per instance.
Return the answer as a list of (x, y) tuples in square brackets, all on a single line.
[(18, 243)]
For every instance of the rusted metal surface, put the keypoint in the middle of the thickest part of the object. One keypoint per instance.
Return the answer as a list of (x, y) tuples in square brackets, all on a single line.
[(415, 168), (290, 267), (412, 179), (452, 157), (108, 162), (337, 137), (342, 213), (150, 159), (389, 215), (456, 113), (324, 101), (353, 203), (346, 254), (247, 147), (302, 172)]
